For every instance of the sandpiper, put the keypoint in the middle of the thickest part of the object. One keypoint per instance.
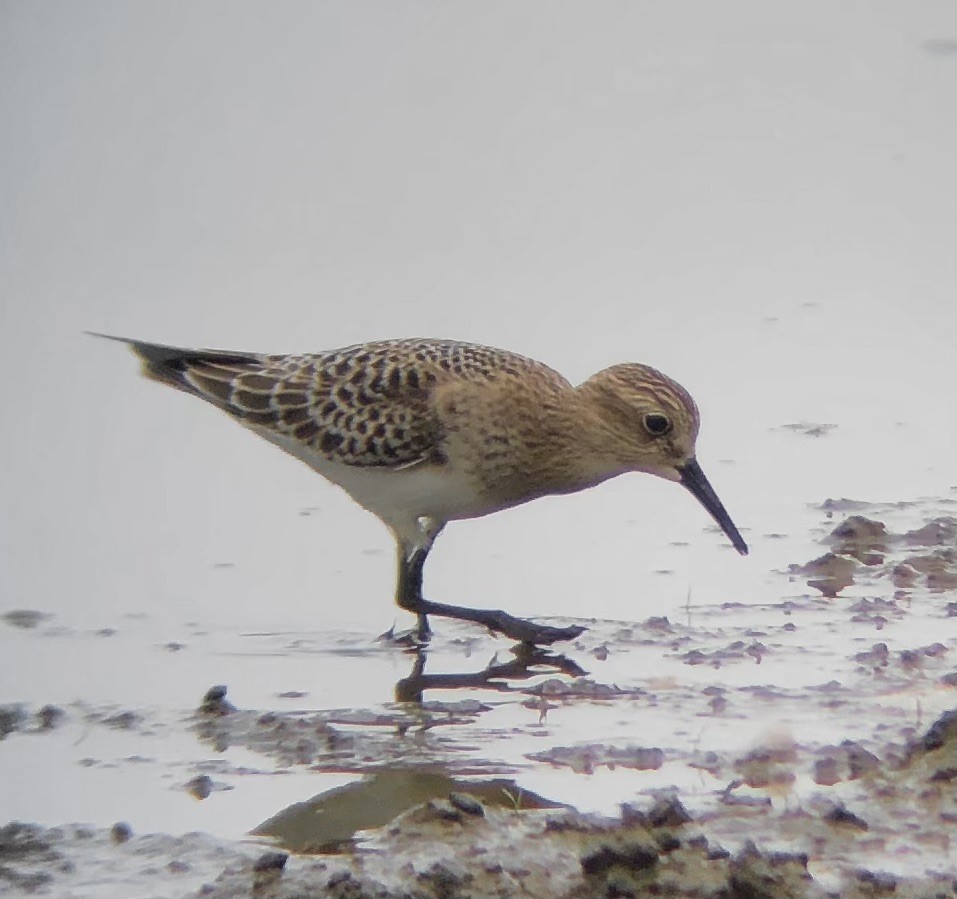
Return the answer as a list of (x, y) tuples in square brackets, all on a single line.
[(422, 432)]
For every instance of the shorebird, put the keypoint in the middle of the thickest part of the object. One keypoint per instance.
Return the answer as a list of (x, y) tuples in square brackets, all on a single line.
[(422, 432)]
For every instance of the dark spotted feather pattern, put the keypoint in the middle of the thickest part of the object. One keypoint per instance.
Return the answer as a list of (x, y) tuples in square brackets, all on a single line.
[(364, 405)]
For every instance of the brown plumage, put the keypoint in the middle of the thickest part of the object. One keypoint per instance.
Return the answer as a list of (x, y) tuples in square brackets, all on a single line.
[(421, 432)]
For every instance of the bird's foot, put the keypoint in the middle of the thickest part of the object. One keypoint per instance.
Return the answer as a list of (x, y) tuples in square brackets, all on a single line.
[(414, 638), (496, 620), (535, 634)]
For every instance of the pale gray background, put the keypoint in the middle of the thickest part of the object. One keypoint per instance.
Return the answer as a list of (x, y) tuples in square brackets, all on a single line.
[(758, 198)]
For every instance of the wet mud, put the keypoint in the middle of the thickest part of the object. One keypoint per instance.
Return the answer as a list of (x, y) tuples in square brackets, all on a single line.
[(801, 747)]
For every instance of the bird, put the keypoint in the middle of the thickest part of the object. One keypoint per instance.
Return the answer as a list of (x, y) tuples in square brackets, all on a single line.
[(421, 432)]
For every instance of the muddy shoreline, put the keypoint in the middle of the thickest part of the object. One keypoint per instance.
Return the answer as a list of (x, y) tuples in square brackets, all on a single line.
[(637, 762), (461, 844)]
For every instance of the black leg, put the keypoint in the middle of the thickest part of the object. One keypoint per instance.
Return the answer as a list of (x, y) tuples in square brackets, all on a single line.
[(409, 593), (409, 597), (496, 620)]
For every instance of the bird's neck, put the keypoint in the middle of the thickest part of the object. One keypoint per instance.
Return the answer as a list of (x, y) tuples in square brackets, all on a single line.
[(586, 453)]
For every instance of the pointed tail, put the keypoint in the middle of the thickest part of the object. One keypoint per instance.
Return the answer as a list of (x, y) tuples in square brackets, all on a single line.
[(168, 364)]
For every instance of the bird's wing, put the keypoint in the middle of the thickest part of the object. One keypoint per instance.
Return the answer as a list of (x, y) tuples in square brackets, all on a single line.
[(351, 406)]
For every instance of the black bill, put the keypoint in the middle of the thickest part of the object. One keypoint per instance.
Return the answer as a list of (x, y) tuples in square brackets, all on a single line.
[(693, 478)]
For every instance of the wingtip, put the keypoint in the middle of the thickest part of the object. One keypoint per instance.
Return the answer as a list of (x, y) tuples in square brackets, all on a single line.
[(144, 351), (108, 336), (160, 359)]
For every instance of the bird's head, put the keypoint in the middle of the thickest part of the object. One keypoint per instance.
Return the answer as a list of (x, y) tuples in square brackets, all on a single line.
[(649, 423)]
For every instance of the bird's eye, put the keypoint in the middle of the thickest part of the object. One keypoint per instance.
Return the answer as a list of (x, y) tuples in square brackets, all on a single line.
[(657, 424)]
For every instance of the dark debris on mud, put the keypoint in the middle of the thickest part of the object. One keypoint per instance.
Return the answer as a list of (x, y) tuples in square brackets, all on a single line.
[(459, 846), (429, 821), (862, 549), (15, 716)]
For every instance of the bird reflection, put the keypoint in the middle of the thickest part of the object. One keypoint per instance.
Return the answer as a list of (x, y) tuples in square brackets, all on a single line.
[(355, 739), (529, 661)]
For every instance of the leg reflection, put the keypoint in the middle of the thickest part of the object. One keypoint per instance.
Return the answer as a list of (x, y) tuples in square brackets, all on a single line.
[(529, 661)]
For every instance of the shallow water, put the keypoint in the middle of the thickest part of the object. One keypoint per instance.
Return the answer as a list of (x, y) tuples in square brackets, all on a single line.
[(682, 699)]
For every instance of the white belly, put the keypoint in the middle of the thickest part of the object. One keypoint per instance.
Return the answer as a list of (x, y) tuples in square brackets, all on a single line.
[(398, 496)]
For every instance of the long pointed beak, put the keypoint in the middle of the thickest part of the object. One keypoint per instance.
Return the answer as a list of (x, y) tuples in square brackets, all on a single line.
[(693, 478)]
